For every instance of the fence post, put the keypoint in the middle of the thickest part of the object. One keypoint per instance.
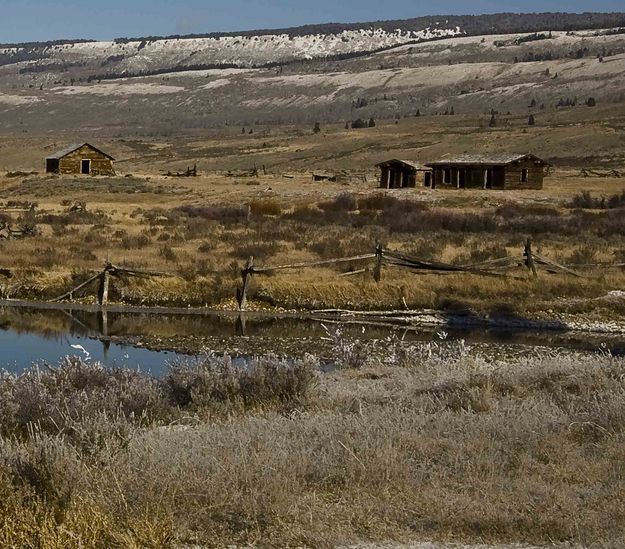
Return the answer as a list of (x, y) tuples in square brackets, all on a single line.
[(103, 291), (377, 271), (246, 274), (529, 257)]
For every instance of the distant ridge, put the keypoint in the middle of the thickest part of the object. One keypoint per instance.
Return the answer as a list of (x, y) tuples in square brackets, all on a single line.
[(471, 25)]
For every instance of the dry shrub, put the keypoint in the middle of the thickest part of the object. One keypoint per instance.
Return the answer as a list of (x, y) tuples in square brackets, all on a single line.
[(477, 254), (514, 209), (134, 242), (76, 393), (265, 207), (223, 214), (73, 218), (376, 202), (218, 384), (438, 220), (585, 200), (344, 202), (260, 250), (47, 257), (335, 246), (610, 223), (584, 254), (168, 253), (306, 214)]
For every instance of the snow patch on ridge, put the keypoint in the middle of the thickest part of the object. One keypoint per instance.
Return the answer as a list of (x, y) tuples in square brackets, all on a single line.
[(240, 51)]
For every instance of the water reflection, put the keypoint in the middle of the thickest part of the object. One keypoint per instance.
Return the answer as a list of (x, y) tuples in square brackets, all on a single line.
[(119, 338)]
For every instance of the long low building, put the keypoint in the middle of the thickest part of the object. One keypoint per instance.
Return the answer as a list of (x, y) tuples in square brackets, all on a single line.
[(489, 171)]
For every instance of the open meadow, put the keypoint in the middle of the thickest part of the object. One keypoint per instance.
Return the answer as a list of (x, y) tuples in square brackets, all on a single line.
[(201, 230)]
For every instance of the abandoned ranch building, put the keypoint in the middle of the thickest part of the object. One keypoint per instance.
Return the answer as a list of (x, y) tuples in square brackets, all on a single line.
[(398, 174), (503, 171), (82, 159)]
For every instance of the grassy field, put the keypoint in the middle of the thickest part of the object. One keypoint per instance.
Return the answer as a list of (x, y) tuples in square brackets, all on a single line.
[(401, 443)]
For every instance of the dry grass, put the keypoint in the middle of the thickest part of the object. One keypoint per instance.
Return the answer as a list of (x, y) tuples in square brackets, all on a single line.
[(422, 443), (205, 246)]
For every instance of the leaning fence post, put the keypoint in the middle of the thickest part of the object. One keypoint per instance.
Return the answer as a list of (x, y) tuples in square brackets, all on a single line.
[(377, 271), (529, 257), (246, 274)]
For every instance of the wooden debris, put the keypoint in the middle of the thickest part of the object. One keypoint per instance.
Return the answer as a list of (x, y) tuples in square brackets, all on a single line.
[(189, 172), (7, 232), (243, 173), (593, 173), (333, 178), (78, 206)]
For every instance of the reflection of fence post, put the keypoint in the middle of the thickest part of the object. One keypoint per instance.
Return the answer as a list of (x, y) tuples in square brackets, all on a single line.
[(246, 274), (529, 258), (377, 271), (103, 291)]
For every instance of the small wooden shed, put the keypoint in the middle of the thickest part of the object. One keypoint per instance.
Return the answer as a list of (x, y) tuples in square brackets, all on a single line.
[(489, 171), (398, 174), (82, 159)]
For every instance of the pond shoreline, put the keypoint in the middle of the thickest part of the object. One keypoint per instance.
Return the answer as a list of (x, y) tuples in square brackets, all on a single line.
[(465, 319)]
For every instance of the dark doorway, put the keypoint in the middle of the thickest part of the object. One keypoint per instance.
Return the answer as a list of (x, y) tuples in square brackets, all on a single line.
[(462, 179), (488, 178), (428, 179), (85, 167), (52, 165)]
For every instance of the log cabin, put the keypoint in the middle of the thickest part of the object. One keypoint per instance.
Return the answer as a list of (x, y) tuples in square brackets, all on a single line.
[(84, 159), (400, 174), (489, 171)]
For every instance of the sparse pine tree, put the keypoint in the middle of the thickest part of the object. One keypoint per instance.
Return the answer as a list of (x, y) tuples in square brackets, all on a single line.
[(452, 112), (317, 128), (418, 113), (591, 102), (493, 121), (371, 123), (533, 103), (531, 121)]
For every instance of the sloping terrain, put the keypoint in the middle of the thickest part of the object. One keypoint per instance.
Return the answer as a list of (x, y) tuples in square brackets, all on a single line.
[(502, 73)]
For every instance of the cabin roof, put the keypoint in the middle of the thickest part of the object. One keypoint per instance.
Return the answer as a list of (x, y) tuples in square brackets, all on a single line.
[(64, 152), (408, 163), (502, 159)]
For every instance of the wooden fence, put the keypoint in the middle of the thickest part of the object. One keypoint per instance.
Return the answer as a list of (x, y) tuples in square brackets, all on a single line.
[(373, 263), (492, 267)]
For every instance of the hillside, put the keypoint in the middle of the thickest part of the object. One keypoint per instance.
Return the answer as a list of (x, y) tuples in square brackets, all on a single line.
[(385, 71), (84, 59)]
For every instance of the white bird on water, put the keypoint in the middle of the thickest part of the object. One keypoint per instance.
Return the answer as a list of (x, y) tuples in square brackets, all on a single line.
[(81, 348)]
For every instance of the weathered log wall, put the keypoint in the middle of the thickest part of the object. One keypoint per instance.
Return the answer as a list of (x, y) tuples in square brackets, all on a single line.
[(100, 164), (501, 177)]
